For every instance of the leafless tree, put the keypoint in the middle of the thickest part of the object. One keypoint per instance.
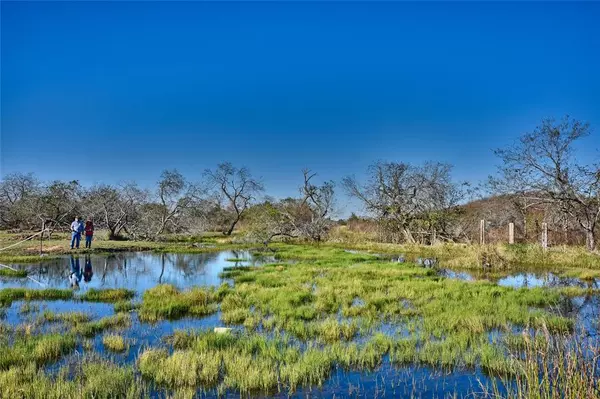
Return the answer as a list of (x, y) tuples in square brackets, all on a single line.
[(541, 166), (319, 201), (114, 207), (236, 188), (174, 195), (269, 220), (403, 197), (18, 193), (59, 203)]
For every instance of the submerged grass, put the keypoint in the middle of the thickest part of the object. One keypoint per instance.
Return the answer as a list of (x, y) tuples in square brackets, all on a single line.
[(89, 329)]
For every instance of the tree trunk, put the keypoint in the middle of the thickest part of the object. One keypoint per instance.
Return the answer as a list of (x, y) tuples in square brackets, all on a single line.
[(408, 237), (231, 227), (590, 240)]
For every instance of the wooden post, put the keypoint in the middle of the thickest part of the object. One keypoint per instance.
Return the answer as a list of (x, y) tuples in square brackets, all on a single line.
[(42, 237), (482, 232), (511, 233), (545, 236)]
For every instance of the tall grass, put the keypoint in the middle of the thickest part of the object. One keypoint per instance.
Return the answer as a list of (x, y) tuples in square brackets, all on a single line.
[(557, 367)]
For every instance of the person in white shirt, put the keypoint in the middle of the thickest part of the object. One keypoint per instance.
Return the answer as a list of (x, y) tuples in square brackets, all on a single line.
[(77, 228)]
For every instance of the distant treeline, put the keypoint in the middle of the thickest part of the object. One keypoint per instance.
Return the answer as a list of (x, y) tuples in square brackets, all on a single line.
[(539, 181)]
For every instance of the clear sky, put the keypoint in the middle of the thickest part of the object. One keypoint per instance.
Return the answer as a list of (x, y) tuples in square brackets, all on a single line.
[(112, 91)]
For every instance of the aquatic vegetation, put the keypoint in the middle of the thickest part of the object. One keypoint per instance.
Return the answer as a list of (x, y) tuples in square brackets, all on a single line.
[(551, 366), (66, 317), (106, 295), (126, 306), (97, 379), (114, 342), (166, 302), (181, 369), (28, 307), (8, 295), (13, 273), (295, 324), (89, 329), (37, 349), (236, 260)]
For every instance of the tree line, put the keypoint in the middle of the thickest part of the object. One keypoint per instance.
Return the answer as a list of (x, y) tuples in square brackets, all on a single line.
[(538, 175)]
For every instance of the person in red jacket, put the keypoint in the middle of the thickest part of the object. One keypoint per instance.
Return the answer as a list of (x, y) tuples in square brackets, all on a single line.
[(89, 233)]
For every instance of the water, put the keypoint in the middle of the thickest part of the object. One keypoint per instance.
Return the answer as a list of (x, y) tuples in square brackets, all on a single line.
[(137, 271), (523, 279), (549, 280)]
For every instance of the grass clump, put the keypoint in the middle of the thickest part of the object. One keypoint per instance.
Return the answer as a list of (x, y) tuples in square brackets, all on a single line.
[(8, 295), (66, 317), (96, 379), (13, 273), (28, 307), (107, 295), (167, 302), (114, 343), (125, 306), (89, 329), (39, 349), (236, 260), (182, 369)]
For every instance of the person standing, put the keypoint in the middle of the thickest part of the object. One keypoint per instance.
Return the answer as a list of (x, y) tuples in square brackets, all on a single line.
[(76, 229), (89, 233)]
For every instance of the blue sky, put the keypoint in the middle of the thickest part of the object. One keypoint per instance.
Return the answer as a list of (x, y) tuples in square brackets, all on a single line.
[(113, 91)]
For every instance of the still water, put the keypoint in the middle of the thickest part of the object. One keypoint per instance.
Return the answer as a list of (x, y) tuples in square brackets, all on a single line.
[(137, 271)]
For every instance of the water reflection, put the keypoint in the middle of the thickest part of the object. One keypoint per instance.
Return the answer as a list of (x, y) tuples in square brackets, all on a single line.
[(545, 280), (136, 270), (88, 272), (75, 274)]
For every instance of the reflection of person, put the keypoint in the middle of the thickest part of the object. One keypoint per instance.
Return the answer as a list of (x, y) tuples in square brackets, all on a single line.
[(89, 233), (75, 275), (76, 229), (87, 269)]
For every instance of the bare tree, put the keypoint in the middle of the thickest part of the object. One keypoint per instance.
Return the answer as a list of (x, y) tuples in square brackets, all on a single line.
[(18, 193), (236, 187), (541, 167), (269, 220), (114, 207), (59, 203), (403, 197), (319, 201), (174, 195)]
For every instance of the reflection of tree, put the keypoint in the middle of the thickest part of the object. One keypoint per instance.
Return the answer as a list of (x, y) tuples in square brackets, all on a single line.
[(586, 308), (162, 268), (140, 269), (191, 265)]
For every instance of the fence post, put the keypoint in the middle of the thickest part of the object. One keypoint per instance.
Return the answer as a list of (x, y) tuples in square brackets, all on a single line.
[(42, 237), (545, 236), (511, 233), (482, 231)]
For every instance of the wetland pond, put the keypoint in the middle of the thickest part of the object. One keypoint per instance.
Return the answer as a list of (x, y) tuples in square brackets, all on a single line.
[(382, 376)]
